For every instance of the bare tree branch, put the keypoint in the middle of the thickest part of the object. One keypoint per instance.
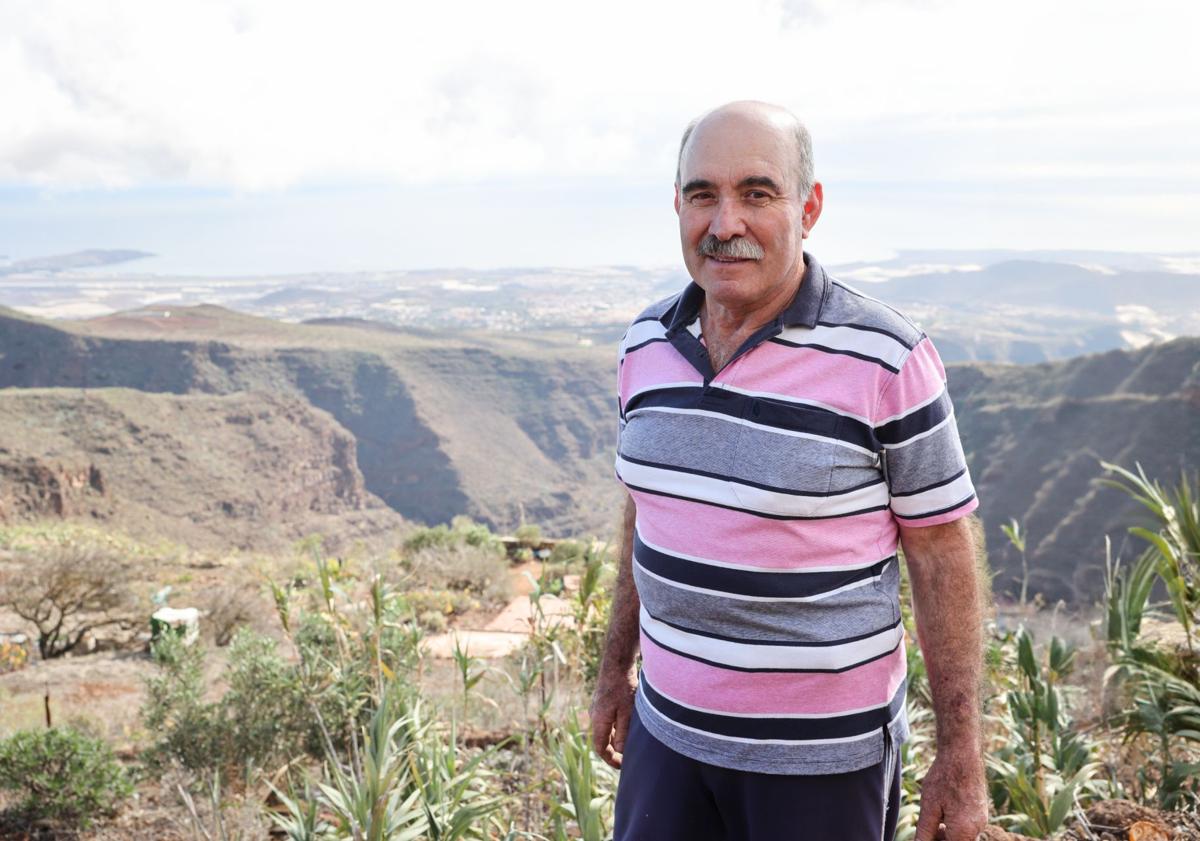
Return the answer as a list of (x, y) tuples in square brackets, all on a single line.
[(67, 591)]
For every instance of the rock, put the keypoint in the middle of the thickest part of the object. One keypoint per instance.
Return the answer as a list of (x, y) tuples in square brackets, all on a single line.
[(1123, 820), (184, 622), (1150, 831)]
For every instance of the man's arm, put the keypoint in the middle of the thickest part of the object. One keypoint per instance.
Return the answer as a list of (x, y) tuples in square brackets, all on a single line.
[(949, 618), (612, 702)]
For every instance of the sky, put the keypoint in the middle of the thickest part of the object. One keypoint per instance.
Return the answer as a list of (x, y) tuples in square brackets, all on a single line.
[(281, 136)]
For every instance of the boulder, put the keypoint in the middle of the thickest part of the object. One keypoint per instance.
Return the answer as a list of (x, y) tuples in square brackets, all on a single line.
[(184, 622)]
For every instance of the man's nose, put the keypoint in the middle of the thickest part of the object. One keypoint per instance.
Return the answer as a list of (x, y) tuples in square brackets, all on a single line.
[(727, 221)]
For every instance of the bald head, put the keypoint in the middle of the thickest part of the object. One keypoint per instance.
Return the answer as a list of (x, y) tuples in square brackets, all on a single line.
[(760, 116)]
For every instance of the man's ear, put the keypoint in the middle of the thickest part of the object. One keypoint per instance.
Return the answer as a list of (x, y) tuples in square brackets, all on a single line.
[(812, 207), (676, 199)]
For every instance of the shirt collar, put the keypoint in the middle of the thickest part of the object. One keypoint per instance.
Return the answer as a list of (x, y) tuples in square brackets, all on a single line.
[(803, 311)]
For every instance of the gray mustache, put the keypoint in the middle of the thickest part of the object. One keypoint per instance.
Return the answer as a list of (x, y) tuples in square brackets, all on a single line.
[(736, 248)]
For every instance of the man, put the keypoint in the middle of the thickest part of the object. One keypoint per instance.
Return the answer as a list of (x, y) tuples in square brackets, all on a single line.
[(780, 434)]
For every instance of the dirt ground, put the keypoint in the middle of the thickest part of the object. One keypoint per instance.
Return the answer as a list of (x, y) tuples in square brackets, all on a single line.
[(104, 692)]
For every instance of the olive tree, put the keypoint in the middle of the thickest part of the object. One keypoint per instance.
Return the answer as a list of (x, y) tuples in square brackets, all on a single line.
[(67, 591)]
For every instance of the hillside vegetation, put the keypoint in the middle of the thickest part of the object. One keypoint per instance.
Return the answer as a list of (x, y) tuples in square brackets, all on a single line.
[(323, 709)]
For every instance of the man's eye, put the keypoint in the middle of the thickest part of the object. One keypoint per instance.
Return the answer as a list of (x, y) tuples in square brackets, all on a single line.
[(758, 196), (700, 198)]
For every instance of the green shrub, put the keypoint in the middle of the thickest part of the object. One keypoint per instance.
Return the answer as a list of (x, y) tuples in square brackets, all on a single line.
[(446, 602), (461, 531), (63, 774), (434, 536), (264, 710), (528, 534), (262, 718), (481, 571), (473, 533), (174, 709), (567, 552)]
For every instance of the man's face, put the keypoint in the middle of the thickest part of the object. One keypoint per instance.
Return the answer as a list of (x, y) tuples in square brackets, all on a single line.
[(738, 179)]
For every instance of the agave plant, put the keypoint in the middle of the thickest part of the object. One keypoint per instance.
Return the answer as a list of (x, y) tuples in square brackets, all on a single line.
[(1016, 536), (1167, 708), (453, 790), (301, 819), (373, 798), (1176, 543), (471, 670), (1046, 767), (1126, 596), (590, 784)]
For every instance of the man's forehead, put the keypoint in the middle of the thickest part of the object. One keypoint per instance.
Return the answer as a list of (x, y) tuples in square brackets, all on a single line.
[(740, 146)]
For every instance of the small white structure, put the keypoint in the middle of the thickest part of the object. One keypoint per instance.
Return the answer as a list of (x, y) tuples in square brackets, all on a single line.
[(184, 622)]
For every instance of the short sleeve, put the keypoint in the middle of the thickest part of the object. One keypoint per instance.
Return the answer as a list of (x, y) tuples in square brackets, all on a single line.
[(621, 391), (926, 470)]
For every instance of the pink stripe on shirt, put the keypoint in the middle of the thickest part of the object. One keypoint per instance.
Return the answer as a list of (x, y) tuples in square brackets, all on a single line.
[(922, 378), (842, 382), (652, 365), (704, 531), (719, 690)]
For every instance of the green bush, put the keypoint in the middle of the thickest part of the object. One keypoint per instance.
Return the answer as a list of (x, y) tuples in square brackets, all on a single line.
[(528, 534), (461, 531), (174, 709), (262, 718), (434, 536), (479, 570), (568, 552), (63, 774), (274, 709), (473, 533), (446, 602)]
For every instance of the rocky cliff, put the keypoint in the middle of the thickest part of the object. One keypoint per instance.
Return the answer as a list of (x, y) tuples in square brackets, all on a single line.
[(500, 428), (241, 470), (1035, 436)]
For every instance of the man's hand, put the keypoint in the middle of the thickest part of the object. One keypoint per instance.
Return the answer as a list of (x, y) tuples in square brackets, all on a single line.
[(612, 707), (612, 702), (954, 799)]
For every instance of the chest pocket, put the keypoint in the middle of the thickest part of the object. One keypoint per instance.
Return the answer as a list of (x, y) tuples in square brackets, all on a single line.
[(784, 458)]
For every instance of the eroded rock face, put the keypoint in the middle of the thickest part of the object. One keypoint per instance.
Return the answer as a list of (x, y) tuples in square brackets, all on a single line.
[(31, 488), (240, 470)]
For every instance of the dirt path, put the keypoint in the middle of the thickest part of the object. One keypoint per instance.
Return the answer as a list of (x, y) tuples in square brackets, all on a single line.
[(508, 630)]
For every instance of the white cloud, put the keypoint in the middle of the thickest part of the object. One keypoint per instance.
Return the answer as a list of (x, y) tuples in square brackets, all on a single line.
[(260, 95)]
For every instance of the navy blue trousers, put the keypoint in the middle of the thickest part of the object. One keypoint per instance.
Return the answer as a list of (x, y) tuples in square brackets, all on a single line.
[(665, 796)]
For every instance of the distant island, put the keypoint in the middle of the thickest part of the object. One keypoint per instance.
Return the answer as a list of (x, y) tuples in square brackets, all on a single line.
[(90, 259)]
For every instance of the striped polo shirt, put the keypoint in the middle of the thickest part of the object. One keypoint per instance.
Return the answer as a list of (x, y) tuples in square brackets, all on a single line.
[(768, 496)]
